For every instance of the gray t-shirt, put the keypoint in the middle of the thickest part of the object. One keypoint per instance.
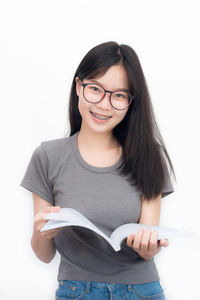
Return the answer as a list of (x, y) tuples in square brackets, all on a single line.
[(58, 173)]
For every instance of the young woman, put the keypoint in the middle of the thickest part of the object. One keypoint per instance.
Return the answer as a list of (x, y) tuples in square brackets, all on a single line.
[(112, 168)]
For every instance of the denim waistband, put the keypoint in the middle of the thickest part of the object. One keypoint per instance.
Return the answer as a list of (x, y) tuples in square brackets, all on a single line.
[(105, 285)]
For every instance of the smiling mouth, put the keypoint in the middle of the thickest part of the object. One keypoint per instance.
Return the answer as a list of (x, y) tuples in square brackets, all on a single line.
[(99, 116)]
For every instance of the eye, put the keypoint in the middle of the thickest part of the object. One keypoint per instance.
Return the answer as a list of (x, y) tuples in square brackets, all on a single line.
[(119, 95), (95, 88)]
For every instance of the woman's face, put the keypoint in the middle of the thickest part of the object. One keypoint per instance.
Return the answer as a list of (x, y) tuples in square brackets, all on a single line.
[(115, 78)]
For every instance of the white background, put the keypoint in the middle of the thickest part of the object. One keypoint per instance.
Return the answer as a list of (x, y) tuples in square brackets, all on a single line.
[(42, 43)]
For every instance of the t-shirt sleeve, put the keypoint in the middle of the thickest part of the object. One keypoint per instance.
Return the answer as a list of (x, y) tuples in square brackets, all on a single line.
[(36, 178), (168, 186)]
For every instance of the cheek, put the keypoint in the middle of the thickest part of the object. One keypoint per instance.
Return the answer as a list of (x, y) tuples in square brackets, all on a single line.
[(83, 106), (121, 116)]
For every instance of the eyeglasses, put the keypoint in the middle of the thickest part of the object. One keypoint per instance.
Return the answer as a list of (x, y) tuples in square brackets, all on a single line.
[(94, 93)]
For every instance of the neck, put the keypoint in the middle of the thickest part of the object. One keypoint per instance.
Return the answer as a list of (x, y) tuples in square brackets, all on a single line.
[(97, 141)]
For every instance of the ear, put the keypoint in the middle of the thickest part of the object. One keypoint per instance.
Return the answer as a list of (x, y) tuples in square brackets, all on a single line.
[(78, 86)]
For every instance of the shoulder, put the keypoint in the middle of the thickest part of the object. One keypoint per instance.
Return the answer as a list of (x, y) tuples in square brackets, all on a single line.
[(56, 145), (54, 150)]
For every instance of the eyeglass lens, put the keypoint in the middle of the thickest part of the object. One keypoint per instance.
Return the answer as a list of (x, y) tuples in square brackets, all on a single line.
[(95, 93)]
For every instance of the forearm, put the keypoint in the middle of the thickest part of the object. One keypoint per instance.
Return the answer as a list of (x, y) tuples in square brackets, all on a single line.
[(43, 247)]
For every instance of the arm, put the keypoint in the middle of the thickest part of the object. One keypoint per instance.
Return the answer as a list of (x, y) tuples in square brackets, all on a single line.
[(150, 212), (43, 247), (145, 243)]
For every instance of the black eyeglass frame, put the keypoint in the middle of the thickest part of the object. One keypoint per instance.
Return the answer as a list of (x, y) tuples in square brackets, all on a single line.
[(132, 99)]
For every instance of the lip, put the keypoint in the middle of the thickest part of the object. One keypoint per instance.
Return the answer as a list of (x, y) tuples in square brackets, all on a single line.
[(99, 121), (100, 114)]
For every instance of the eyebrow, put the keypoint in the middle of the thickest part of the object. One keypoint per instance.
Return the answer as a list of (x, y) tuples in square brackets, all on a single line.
[(95, 81)]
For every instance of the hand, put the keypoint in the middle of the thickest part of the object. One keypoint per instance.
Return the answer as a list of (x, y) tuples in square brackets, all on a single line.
[(146, 243), (39, 222)]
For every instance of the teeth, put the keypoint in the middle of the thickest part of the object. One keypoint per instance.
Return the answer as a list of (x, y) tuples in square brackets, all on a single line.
[(99, 117)]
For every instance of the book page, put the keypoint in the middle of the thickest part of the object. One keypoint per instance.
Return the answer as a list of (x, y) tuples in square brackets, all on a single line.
[(71, 217), (121, 233)]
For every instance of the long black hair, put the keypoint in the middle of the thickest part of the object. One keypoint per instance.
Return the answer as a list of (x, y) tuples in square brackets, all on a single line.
[(143, 147)]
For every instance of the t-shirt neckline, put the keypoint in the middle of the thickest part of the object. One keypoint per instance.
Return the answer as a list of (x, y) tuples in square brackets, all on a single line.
[(74, 141)]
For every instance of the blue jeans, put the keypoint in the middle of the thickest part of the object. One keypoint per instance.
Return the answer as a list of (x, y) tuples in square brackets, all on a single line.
[(92, 290)]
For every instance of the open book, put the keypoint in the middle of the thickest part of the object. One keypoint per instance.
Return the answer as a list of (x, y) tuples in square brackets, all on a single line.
[(71, 217)]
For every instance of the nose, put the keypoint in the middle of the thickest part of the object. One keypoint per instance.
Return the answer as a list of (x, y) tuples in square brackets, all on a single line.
[(105, 102)]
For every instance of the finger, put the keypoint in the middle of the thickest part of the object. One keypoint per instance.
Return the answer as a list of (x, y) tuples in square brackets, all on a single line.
[(54, 230), (130, 239), (164, 242), (137, 240), (54, 233), (41, 216), (145, 240), (50, 236), (50, 209), (50, 231), (153, 244)]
